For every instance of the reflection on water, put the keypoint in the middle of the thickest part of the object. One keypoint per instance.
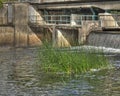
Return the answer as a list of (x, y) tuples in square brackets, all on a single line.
[(18, 77)]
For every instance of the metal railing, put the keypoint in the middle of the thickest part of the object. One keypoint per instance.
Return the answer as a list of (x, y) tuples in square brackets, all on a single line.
[(74, 19), (57, 19), (30, 1), (62, 19)]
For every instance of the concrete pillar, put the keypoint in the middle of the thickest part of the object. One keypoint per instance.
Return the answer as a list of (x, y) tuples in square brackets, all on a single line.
[(35, 16), (75, 19), (10, 13), (54, 36), (82, 35), (107, 20), (23, 32)]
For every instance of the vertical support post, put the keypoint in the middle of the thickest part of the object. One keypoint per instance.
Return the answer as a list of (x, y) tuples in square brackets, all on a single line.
[(93, 16), (27, 38), (51, 21), (9, 13), (28, 19), (81, 20), (61, 19), (46, 16), (80, 36), (36, 18), (54, 36), (14, 39)]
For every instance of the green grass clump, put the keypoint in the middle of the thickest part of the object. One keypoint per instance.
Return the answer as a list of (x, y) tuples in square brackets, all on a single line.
[(53, 60)]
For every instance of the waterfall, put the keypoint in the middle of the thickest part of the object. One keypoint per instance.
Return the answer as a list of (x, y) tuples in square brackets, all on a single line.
[(105, 39)]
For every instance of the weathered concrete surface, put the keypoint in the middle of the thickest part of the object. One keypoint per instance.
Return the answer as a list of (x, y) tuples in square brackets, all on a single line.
[(21, 26), (108, 20), (50, 1), (103, 5), (66, 37), (6, 36), (35, 16), (3, 15), (20, 34), (61, 41), (24, 35), (87, 27)]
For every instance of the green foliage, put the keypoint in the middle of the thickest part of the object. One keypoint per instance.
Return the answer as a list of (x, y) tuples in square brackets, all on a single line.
[(115, 12), (1, 2), (58, 61)]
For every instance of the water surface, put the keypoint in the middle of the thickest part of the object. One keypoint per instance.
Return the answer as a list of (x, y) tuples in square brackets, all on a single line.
[(18, 77)]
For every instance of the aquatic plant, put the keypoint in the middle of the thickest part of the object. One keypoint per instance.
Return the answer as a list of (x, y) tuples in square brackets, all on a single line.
[(60, 61)]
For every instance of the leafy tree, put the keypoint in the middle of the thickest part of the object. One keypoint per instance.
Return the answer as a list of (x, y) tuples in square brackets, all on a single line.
[(1, 2)]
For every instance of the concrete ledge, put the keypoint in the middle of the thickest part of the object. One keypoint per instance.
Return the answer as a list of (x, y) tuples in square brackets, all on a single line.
[(111, 28), (65, 1)]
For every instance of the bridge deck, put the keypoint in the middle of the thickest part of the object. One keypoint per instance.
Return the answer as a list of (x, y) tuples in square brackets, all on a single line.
[(64, 1), (104, 5)]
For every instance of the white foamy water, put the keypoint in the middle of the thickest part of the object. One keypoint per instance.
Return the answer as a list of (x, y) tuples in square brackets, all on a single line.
[(96, 49)]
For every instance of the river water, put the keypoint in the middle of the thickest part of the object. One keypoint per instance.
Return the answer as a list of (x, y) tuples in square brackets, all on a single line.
[(18, 77)]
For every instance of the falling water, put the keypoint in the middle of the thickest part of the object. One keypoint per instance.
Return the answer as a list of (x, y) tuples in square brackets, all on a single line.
[(106, 39)]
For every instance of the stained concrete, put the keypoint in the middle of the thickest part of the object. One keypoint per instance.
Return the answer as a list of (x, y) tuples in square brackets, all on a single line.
[(20, 34), (26, 29)]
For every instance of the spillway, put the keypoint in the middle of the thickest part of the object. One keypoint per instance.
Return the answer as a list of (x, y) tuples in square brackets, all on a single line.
[(106, 39)]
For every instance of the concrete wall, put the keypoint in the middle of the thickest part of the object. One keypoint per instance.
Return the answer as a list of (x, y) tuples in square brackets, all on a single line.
[(108, 20), (84, 31), (20, 34), (24, 35), (35, 16), (6, 36), (66, 37), (6, 32)]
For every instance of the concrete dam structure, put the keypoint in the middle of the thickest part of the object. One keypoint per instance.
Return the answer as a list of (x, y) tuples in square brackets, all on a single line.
[(63, 23)]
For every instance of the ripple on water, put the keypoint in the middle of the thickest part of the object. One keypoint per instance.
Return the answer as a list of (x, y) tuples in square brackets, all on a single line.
[(17, 78)]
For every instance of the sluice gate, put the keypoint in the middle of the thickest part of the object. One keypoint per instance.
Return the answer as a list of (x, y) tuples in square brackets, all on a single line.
[(75, 26), (63, 27), (68, 26)]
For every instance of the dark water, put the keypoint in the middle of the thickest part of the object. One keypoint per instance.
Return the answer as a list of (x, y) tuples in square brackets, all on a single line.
[(18, 77)]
